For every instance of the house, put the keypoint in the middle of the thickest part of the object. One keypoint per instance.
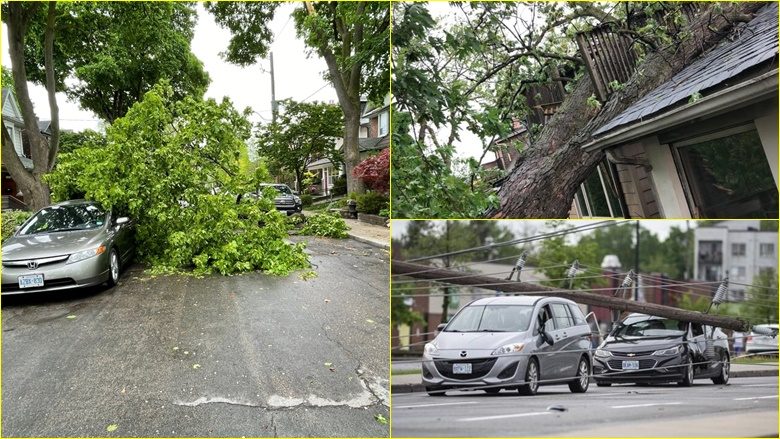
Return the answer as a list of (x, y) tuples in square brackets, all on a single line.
[(12, 197), (737, 249), (702, 145), (374, 135)]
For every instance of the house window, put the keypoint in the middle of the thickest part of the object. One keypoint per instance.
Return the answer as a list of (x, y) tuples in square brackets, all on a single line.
[(710, 260), (739, 272), (737, 249), (726, 175), (384, 123), (597, 196), (767, 249)]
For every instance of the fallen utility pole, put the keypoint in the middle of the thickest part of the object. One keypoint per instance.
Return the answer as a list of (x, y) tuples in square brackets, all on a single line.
[(617, 303)]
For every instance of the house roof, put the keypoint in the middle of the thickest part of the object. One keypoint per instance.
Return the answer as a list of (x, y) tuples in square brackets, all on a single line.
[(44, 126), (374, 143), (756, 43)]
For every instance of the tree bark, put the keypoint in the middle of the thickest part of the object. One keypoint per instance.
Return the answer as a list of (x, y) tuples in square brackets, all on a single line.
[(546, 176)]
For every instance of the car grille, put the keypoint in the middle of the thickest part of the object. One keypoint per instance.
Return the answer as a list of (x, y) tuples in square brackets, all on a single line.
[(632, 354), (46, 284), (479, 368), (40, 261), (643, 364)]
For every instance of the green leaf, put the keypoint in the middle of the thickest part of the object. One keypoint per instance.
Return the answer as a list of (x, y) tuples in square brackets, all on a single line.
[(380, 418), (112, 427)]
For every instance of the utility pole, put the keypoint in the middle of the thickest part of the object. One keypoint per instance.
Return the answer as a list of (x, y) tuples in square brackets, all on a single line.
[(274, 108), (445, 305), (636, 263)]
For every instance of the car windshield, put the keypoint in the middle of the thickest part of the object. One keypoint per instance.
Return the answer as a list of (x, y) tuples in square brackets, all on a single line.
[(650, 328), (65, 218), (282, 189), (491, 318)]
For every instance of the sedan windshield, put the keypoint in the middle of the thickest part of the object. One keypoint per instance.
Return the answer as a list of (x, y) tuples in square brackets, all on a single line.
[(491, 318), (283, 189), (650, 328), (65, 218)]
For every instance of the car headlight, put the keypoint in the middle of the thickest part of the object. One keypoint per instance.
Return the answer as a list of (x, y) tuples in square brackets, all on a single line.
[(508, 349), (603, 353), (431, 349), (297, 200), (670, 351), (86, 254)]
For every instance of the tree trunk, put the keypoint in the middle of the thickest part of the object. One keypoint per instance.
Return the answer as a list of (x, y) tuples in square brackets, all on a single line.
[(352, 149), (546, 176)]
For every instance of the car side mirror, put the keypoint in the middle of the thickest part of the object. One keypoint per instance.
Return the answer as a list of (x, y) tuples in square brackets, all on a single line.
[(122, 220), (547, 337), (441, 327)]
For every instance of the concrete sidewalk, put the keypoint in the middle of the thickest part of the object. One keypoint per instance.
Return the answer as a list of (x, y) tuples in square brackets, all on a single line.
[(413, 382), (377, 236)]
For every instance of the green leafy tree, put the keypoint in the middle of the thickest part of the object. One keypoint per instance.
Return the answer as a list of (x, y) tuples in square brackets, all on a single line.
[(352, 37), (761, 303), (173, 166), (305, 132), (71, 141)]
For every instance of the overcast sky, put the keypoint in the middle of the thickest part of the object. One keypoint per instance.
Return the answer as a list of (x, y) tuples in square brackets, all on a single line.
[(297, 76), (529, 227)]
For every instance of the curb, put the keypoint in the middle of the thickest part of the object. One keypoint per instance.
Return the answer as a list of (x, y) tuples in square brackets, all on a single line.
[(370, 242), (418, 387)]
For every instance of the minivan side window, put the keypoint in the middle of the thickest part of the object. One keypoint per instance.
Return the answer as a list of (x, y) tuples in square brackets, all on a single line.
[(576, 313), (545, 320), (561, 316)]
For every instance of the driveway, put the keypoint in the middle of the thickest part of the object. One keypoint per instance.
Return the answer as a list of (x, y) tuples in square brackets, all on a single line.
[(249, 355)]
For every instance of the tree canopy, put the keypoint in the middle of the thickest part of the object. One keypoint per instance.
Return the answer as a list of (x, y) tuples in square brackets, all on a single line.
[(173, 166)]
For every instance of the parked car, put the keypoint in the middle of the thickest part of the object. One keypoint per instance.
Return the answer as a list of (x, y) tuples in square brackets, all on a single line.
[(66, 245), (758, 342), (512, 342), (649, 349), (285, 200)]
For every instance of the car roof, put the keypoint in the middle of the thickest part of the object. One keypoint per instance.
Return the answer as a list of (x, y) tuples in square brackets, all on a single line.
[(515, 300), (75, 202)]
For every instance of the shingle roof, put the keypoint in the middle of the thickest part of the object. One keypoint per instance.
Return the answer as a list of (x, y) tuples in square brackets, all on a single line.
[(374, 143), (756, 43)]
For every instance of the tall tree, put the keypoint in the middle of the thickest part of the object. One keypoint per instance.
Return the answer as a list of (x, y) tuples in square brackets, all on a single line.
[(352, 37), (305, 132)]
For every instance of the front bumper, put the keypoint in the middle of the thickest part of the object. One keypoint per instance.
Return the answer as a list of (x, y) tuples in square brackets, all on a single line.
[(289, 208), (59, 276), (651, 369), (486, 371)]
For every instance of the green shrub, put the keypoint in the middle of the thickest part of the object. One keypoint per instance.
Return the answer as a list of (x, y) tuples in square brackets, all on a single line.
[(338, 204), (371, 202), (307, 200), (11, 220), (323, 224), (385, 212), (339, 185)]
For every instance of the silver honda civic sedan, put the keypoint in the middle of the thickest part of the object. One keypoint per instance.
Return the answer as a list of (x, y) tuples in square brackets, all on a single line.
[(511, 342), (66, 245)]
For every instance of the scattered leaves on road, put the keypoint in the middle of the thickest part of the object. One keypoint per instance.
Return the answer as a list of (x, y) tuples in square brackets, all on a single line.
[(381, 419), (112, 427), (306, 275), (370, 321), (70, 317), (196, 366), (328, 364), (327, 300), (175, 348)]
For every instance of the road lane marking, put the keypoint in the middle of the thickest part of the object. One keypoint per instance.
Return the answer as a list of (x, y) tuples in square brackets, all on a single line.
[(644, 405), (433, 405), (756, 385), (516, 415), (755, 397)]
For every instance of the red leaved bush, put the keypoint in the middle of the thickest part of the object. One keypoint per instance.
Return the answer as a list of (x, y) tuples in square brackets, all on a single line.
[(375, 171)]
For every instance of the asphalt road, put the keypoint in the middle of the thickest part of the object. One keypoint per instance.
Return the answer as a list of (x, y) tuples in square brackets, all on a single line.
[(746, 407), (249, 355)]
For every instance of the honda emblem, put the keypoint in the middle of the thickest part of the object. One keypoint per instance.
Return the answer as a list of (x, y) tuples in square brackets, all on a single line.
[(32, 265)]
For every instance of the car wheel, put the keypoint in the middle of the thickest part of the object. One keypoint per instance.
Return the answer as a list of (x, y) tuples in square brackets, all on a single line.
[(603, 384), (492, 390), (531, 379), (113, 268), (580, 384), (687, 380), (435, 391), (725, 368)]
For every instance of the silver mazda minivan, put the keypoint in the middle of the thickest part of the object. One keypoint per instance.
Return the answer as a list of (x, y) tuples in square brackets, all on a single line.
[(510, 342)]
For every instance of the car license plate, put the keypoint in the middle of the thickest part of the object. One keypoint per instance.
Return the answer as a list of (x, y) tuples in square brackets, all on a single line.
[(461, 368), (30, 280), (630, 365)]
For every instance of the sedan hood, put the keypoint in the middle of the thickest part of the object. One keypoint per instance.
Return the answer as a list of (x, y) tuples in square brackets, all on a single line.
[(43, 245), (640, 344), (477, 340)]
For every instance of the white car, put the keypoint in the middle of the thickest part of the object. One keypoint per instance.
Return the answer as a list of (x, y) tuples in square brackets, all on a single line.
[(758, 343)]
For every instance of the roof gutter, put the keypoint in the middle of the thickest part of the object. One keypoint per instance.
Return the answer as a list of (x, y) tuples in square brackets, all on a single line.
[(743, 93)]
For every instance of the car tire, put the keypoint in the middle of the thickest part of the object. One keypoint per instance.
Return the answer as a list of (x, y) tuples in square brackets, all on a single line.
[(603, 384), (492, 390), (687, 380), (582, 380), (113, 268), (531, 385), (435, 391), (725, 369)]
